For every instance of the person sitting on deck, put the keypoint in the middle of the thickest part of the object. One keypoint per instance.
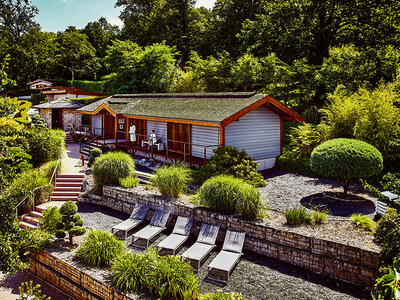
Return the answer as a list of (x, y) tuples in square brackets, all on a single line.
[(152, 140)]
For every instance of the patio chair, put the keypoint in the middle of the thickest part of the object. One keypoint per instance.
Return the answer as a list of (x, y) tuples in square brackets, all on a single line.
[(156, 226), (179, 235), (204, 244), (229, 255), (137, 216)]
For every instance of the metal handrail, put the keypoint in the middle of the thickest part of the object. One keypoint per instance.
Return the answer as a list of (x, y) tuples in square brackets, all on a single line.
[(38, 188)]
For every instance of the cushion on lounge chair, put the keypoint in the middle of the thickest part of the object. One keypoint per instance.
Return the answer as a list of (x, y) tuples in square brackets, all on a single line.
[(225, 260), (234, 241), (172, 241), (183, 226), (160, 218), (127, 224), (197, 251), (148, 232), (139, 212), (208, 234)]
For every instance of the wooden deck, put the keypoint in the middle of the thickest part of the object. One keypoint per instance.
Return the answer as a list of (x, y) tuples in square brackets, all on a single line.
[(154, 153)]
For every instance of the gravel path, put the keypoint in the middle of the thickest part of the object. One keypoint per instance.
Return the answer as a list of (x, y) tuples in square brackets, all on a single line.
[(256, 277)]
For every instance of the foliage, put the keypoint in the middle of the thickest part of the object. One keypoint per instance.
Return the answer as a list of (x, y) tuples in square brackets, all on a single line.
[(94, 153), (220, 295), (246, 71), (51, 217), (230, 195), (319, 214), (171, 181), (9, 106), (346, 159), (86, 85), (185, 81), (290, 163), (70, 222), (4, 79), (99, 249), (388, 285), (129, 182), (86, 100), (109, 168), (28, 291), (363, 221), (304, 138), (391, 182), (297, 216), (387, 234), (163, 276), (37, 121), (48, 169), (229, 160)]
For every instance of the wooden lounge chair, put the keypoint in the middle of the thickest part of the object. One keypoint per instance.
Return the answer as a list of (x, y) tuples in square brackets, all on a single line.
[(179, 235), (229, 255), (204, 244), (156, 226), (137, 216)]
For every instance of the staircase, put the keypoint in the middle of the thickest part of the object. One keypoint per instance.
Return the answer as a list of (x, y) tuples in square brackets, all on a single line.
[(68, 187), (88, 147), (31, 220), (69, 139)]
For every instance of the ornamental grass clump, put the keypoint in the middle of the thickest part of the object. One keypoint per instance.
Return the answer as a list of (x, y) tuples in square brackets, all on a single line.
[(220, 295), (109, 168), (230, 195), (363, 221), (172, 181), (99, 249), (163, 276), (297, 216), (129, 182)]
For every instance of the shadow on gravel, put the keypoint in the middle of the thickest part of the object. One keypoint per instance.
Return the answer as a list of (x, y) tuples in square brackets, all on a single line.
[(337, 207)]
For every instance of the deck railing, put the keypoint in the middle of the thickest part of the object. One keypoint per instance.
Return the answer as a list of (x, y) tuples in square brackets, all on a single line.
[(186, 146)]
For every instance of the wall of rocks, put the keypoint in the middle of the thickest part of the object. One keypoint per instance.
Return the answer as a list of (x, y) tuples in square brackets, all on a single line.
[(70, 118), (337, 260)]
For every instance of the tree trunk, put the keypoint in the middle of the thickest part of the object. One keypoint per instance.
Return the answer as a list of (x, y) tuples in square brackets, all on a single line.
[(346, 184)]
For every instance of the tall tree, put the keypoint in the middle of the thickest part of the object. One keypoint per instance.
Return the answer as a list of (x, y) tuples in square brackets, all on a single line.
[(16, 17)]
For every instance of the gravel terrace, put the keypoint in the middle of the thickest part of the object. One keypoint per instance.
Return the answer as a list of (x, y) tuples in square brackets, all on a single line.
[(255, 277)]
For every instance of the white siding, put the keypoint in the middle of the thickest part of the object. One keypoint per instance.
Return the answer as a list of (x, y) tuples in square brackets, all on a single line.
[(159, 127), (97, 123), (258, 132), (204, 135)]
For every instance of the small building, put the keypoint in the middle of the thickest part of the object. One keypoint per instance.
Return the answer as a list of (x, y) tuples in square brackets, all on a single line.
[(38, 83), (189, 126), (63, 93), (60, 114)]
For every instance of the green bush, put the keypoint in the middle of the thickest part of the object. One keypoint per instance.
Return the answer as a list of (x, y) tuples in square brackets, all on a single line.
[(51, 217), (70, 222), (290, 163), (85, 85), (220, 295), (171, 181), (319, 215), (230, 195), (163, 276), (297, 216), (346, 159), (304, 138), (387, 234), (99, 249), (363, 221), (388, 285), (230, 161), (391, 182), (94, 153), (109, 168), (48, 169), (29, 291), (129, 182)]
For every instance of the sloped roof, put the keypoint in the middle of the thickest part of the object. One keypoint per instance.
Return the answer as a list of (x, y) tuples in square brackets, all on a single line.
[(203, 107), (39, 80), (58, 104)]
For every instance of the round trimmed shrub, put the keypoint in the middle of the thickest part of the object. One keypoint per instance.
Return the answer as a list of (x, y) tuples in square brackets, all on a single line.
[(99, 249), (171, 181), (109, 168), (94, 153), (68, 209), (230, 195), (346, 159)]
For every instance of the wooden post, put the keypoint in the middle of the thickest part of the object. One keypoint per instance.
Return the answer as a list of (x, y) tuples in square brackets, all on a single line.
[(222, 136), (184, 152), (205, 155), (281, 135)]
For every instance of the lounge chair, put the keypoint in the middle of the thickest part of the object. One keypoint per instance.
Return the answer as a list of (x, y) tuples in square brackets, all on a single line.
[(178, 236), (137, 216), (229, 255), (204, 244), (156, 226)]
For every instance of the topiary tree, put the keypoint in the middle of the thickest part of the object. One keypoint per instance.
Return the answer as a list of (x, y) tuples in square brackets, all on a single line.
[(345, 160), (70, 222), (109, 168), (94, 153)]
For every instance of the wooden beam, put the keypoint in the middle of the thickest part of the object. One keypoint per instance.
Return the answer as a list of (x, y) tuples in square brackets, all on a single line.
[(281, 135), (115, 127), (222, 136)]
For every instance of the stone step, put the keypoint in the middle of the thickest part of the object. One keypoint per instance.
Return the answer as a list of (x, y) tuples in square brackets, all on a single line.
[(71, 175), (62, 184), (65, 193), (30, 220), (67, 188), (79, 180), (63, 198), (27, 225), (40, 209), (35, 214)]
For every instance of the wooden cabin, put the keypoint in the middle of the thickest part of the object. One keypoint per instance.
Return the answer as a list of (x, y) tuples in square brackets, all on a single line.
[(189, 127)]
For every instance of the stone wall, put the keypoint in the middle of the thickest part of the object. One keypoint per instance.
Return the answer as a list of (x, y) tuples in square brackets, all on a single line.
[(46, 115), (70, 280), (71, 117), (337, 260)]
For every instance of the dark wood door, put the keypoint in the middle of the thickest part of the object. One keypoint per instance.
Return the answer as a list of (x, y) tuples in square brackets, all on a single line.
[(56, 119), (109, 126), (140, 131), (178, 137)]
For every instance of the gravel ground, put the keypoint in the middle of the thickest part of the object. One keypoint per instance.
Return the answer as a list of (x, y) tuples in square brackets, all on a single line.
[(256, 277)]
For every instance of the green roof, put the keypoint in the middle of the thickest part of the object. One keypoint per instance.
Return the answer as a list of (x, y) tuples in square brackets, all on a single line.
[(205, 107)]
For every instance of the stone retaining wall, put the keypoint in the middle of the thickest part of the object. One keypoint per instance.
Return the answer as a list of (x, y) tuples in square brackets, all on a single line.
[(70, 280), (337, 260)]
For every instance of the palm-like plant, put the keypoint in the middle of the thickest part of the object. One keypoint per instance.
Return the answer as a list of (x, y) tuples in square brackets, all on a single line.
[(388, 286)]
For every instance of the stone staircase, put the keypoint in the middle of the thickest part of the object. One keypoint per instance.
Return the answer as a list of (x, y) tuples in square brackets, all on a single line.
[(88, 147), (67, 188), (69, 139)]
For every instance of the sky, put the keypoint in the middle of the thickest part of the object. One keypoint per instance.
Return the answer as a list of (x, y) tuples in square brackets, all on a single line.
[(57, 15)]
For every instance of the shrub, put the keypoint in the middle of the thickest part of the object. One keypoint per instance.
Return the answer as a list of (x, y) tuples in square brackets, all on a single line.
[(94, 153), (320, 215), (297, 216), (230, 161), (32, 241), (165, 277), (171, 181), (391, 182), (110, 167), (99, 249), (346, 159), (387, 234), (129, 182), (29, 291), (51, 217), (48, 169), (363, 221), (388, 285), (70, 222), (220, 295), (290, 163), (304, 138), (230, 195)]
